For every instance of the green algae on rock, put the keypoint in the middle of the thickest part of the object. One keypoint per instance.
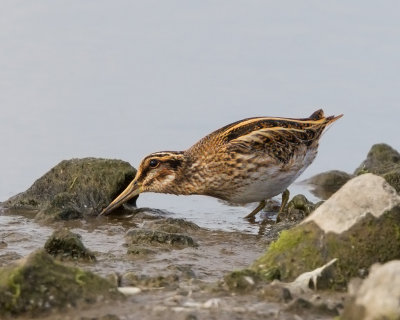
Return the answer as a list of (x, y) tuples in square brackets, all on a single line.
[(393, 178), (172, 225), (382, 160), (150, 282), (161, 233), (159, 238), (75, 188), (297, 209), (241, 281), (327, 183), (38, 284), (359, 225), (65, 244)]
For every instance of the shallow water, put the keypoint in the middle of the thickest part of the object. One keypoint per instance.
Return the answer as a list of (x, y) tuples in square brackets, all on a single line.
[(122, 79)]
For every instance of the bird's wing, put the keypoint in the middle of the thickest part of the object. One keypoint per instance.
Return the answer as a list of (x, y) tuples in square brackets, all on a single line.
[(278, 137), (278, 142)]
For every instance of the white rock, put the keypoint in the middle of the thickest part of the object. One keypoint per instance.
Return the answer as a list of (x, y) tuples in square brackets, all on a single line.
[(364, 194), (379, 293)]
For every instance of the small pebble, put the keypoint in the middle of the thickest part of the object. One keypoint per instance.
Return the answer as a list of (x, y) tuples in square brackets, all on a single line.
[(212, 303), (129, 291)]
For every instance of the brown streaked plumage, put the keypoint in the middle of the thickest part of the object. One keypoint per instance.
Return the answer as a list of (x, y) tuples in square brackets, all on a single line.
[(246, 161)]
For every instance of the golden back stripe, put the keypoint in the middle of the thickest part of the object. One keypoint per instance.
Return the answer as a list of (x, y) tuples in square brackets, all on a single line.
[(243, 123)]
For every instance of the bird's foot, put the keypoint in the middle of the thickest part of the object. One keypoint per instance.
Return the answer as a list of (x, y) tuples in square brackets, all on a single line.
[(260, 206)]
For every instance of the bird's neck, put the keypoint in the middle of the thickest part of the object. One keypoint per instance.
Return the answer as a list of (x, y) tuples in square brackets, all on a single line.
[(190, 178)]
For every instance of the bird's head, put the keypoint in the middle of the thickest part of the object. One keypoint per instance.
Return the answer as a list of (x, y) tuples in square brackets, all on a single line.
[(156, 173)]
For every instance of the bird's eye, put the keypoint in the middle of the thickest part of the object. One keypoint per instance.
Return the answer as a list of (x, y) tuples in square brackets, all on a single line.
[(154, 163)]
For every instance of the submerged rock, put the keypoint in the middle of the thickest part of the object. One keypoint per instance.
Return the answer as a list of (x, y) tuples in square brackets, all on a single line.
[(172, 225), (382, 160), (75, 188), (327, 183), (150, 282), (38, 284), (242, 280), (161, 233), (378, 296), (65, 244), (297, 209), (156, 238), (359, 225)]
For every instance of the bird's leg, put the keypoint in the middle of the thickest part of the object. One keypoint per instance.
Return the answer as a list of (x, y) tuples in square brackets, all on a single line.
[(260, 206), (285, 199)]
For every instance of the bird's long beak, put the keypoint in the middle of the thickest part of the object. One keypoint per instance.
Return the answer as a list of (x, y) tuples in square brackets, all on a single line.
[(133, 189)]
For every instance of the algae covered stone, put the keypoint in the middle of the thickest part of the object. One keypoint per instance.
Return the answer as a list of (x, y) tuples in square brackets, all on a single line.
[(38, 284), (75, 188), (172, 225), (157, 238), (382, 160), (359, 225), (297, 209), (161, 233), (241, 280), (65, 244)]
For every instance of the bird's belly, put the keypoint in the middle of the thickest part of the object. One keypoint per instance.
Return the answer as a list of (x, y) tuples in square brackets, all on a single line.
[(265, 187), (270, 182)]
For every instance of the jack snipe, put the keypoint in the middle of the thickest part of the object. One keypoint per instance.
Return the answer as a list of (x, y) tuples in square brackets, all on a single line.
[(250, 160)]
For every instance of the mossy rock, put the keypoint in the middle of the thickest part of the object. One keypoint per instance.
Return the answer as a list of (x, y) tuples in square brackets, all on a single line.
[(381, 159), (327, 183), (38, 285), (359, 225), (297, 209), (393, 178), (149, 282), (75, 188), (171, 225), (159, 238), (241, 281), (139, 251), (65, 244)]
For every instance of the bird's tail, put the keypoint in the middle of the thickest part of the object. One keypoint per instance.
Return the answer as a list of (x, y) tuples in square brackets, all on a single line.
[(319, 115)]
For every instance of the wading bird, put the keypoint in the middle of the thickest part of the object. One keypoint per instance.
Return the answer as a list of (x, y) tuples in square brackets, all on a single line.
[(250, 160)]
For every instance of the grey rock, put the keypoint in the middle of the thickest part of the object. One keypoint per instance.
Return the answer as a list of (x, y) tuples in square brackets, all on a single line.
[(65, 244), (327, 183)]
